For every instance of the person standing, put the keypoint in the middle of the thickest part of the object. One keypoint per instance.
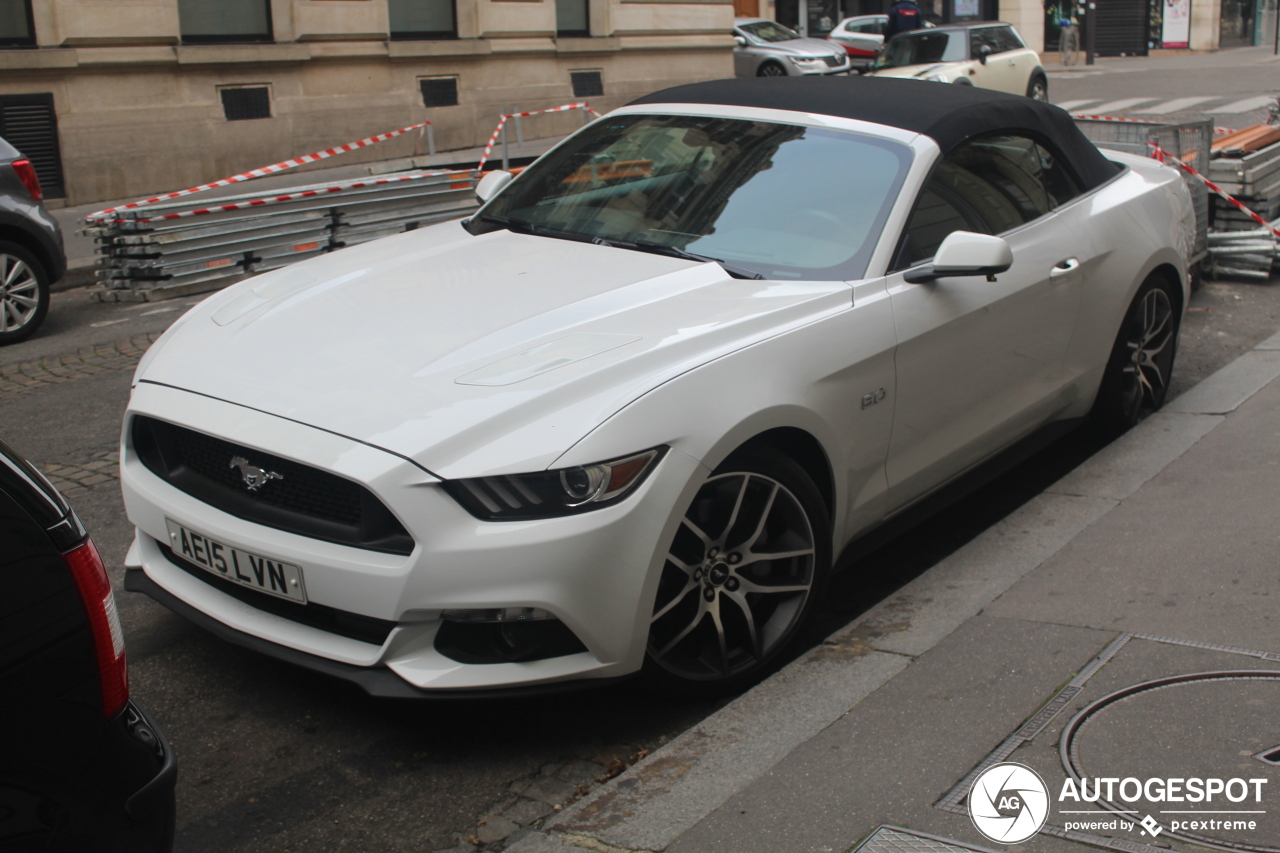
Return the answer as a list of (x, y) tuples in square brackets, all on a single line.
[(1068, 41), (904, 16)]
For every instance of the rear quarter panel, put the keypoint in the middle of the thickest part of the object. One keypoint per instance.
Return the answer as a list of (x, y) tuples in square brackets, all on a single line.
[(1139, 221)]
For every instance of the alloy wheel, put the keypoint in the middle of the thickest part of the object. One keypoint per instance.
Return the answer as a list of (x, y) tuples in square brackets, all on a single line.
[(736, 579), (1149, 351), (772, 69), (19, 293)]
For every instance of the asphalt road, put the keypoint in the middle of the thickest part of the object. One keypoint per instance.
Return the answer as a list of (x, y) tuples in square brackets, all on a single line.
[(277, 759)]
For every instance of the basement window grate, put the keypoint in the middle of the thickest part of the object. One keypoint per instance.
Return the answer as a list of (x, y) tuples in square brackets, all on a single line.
[(587, 84), (246, 102), (439, 91), (30, 124)]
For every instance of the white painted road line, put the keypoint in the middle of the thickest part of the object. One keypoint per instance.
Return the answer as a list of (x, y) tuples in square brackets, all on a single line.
[(1071, 105), (1120, 106), (1176, 105), (1247, 104)]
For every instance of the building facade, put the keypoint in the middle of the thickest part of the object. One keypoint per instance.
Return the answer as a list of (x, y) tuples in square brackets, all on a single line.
[(120, 98)]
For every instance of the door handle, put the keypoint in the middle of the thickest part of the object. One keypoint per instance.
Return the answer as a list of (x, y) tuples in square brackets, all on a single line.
[(1013, 64), (1066, 267)]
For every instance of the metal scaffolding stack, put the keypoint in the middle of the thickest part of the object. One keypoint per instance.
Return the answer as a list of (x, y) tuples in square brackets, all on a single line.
[(1188, 141), (165, 250)]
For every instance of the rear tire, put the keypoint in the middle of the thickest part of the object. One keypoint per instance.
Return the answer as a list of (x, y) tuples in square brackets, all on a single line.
[(24, 293), (744, 574), (1038, 88), (1136, 379)]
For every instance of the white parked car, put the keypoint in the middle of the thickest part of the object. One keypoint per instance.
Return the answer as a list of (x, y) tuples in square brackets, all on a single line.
[(624, 416), (862, 37), (986, 55)]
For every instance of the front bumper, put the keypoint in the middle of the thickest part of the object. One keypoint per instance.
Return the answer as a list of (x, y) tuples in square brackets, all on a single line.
[(596, 572)]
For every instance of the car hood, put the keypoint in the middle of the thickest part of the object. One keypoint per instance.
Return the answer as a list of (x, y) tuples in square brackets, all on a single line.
[(801, 47), (470, 354)]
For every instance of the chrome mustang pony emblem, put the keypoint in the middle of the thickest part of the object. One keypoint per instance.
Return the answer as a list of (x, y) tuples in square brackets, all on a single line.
[(255, 478)]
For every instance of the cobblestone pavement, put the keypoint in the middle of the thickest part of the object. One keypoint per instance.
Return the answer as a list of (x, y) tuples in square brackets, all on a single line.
[(25, 376), (74, 480)]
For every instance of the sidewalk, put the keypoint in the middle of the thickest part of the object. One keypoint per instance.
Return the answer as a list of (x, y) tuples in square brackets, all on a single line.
[(1157, 557)]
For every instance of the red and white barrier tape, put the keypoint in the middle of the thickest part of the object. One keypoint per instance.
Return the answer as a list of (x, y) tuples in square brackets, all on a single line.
[(336, 188), (1217, 131), (265, 170), (1164, 157), (502, 121)]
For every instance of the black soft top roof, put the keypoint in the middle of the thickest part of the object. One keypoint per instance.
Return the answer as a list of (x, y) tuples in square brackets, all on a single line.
[(947, 113)]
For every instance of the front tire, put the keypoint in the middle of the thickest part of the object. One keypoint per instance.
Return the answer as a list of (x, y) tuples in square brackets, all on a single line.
[(1137, 374), (742, 577), (1038, 88), (771, 69), (24, 293)]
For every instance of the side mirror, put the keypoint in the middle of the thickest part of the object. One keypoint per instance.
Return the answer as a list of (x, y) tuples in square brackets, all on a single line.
[(983, 52), (965, 253), (491, 183), (740, 40)]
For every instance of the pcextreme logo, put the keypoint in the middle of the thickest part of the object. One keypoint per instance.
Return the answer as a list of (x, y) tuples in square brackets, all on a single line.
[(1008, 803)]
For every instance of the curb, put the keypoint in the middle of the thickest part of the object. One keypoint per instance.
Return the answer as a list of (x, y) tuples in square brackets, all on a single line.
[(653, 803)]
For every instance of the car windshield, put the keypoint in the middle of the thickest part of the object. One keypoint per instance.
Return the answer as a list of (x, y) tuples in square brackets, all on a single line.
[(769, 31), (921, 48), (770, 200)]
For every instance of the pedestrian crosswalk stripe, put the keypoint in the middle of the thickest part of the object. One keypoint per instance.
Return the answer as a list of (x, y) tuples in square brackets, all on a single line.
[(1246, 105), (1119, 106), (1071, 105), (1177, 105)]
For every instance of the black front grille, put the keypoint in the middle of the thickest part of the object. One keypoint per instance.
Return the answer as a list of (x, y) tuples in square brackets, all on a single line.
[(834, 61), (301, 499), (366, 629)]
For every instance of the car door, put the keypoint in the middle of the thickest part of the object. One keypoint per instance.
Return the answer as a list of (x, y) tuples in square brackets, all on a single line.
[(1020, 59), (865, 37), (745, 57), (996, 73), (980, 363)]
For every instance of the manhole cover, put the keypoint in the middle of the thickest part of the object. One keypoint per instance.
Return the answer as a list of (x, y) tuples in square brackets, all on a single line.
[(1202, 726)]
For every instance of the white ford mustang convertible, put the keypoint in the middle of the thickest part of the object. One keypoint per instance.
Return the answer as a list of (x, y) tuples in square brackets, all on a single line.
[(621, 419)]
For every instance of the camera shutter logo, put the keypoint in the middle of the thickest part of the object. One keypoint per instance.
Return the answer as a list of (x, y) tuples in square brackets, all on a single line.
[(1008, 803)]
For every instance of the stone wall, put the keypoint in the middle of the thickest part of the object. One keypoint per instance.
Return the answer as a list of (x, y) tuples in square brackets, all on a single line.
[(139, 112)]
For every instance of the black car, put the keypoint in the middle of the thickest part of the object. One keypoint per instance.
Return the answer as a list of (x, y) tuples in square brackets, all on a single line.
[(82, 768), (31, 252)]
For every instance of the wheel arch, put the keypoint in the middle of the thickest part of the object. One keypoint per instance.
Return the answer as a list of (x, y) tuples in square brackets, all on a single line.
[(25, 239), (805, 450)]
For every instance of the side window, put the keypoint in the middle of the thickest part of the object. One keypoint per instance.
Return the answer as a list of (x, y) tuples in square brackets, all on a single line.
[(984, 36), (1008, 39), (990, 185), (1059, 183)]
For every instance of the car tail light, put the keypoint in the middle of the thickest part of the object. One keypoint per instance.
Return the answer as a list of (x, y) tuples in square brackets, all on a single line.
[(108, 640), (27, 174)]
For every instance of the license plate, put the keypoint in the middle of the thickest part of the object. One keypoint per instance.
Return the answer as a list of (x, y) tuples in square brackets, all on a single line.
[(274, 577)]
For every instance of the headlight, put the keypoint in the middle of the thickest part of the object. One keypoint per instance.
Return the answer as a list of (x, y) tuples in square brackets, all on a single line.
[(546, 494), (937, 78), (808, 63)]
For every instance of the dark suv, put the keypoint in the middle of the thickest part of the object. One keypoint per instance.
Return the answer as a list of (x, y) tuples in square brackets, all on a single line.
[(31, 253), (82, 768)]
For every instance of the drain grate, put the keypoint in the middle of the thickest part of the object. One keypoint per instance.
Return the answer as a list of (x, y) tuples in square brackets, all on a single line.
[(1269, 756), (895, 839)]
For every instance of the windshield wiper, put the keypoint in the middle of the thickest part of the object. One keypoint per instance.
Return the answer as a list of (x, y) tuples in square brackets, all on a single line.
[(674, 252)]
